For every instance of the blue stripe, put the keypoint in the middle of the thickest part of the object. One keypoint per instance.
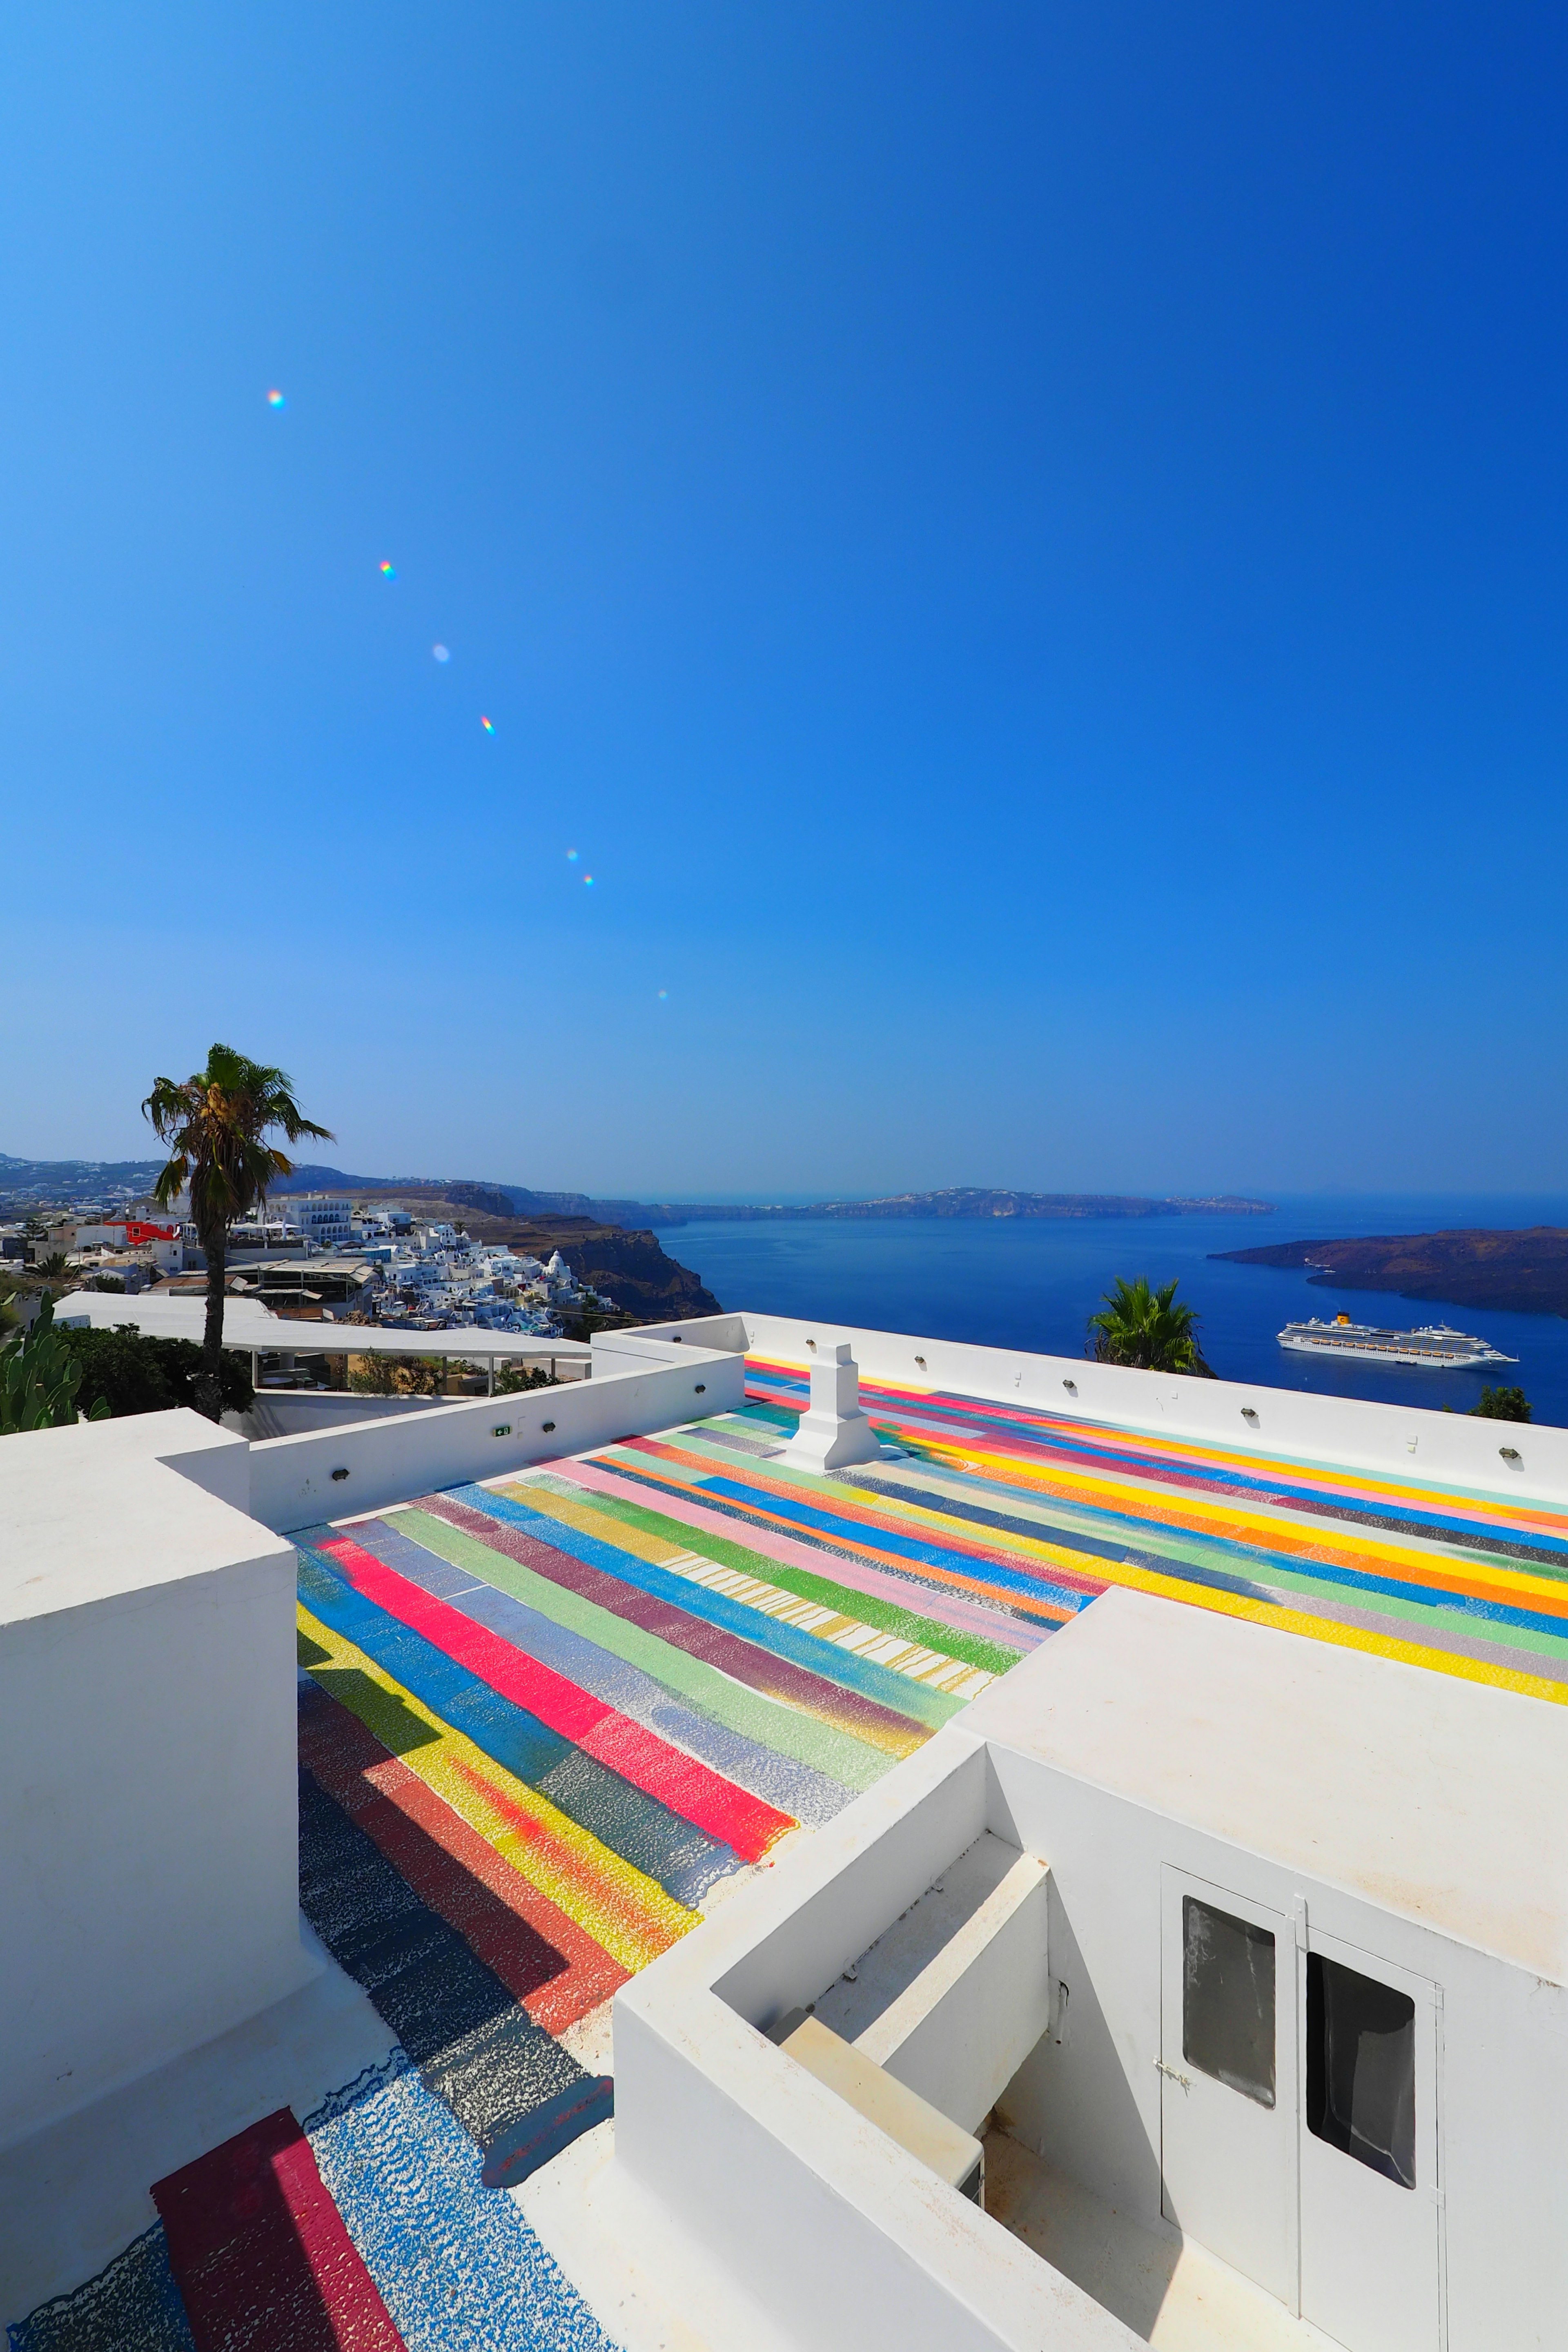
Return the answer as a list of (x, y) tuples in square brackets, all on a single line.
[(895, 1692)]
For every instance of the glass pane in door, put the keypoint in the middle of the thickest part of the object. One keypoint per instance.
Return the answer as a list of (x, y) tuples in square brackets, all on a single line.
[(1361, 2068), (1227, 1998)]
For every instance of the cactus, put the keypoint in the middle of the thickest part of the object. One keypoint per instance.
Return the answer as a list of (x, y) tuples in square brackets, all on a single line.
[(39, 1378)]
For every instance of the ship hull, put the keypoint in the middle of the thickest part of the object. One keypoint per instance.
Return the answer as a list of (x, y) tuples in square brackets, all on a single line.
[(1349, 1352)]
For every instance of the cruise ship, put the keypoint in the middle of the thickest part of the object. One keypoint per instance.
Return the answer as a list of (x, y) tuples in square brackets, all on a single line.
[(1434, 1343)]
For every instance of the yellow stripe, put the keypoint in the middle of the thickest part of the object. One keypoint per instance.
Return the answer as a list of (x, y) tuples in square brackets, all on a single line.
[(611, 1900), (900, 1656), (1287, 1539)]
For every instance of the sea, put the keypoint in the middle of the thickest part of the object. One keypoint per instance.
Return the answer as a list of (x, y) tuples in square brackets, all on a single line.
[(1011, 1282)]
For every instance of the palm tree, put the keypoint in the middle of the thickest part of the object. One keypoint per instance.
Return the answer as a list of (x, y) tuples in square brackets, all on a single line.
[(215, 1124), (1143, 1327)]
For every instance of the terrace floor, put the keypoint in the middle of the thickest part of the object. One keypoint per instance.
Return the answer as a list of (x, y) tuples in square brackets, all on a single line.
[(546, 1724)]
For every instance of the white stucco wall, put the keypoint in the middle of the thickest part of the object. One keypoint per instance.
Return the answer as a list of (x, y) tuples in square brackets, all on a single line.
[(1404, 1817), (756, 2159), (634, 1390), (148, 1840), (1398, 1439)]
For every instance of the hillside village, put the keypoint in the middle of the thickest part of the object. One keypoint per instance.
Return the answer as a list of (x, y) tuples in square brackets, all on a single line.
[(323, 1258)]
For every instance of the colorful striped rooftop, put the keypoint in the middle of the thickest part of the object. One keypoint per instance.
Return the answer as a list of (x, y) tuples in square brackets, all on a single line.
[(545, 1723)]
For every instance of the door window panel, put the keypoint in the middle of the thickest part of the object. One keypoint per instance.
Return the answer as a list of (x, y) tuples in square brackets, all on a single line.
[(1361, 2068), (1227, 1998)]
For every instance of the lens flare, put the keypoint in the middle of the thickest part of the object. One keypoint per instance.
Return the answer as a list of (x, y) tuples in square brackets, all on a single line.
[(276, 400), (663, 994), (386, 571), (487, 724), (571, 857), (587, 881), (440, 653)]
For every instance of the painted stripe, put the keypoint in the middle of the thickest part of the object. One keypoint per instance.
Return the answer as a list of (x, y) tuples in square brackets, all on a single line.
[(627, 1912), (870, 1694), (131, 2305), (810, 1797), (1466, 1586), (508, 1560), (455, 2263), (677, 1782), (646, 1834), (1033, 1617), (690, 1628), (259, 2251), (543, 1958), (994, 1641), (475, 2046)]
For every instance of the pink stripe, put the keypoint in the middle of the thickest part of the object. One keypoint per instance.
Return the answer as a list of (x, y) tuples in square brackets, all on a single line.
[(692, 1790), (934, 1601)]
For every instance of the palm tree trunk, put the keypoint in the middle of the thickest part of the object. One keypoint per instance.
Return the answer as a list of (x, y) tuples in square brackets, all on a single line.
[(208, 1383)]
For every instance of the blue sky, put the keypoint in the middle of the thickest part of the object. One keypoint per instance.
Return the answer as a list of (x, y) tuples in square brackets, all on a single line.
[(1024, 547)]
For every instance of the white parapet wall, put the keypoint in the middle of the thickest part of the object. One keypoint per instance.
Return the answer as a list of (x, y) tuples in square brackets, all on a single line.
[(640, 1383), (149, 1889), (1497, 1457), (754, 2159)]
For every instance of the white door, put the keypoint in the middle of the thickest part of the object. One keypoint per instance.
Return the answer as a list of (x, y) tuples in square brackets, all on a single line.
[(1370, 2200), (1227, 2078)]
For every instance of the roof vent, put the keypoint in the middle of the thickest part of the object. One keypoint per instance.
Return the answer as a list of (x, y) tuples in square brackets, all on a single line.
[(339, 1474), (1249, 1412), (1071, 1387), (547, 1425), (1508, 1453)]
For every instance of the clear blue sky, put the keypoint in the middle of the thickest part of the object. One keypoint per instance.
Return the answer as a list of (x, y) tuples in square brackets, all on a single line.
[(1024, 546)]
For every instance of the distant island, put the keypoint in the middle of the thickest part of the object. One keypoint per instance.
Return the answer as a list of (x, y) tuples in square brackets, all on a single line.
[(969, 1200), (956, 1201), (22, 1182), (1518, 1273)]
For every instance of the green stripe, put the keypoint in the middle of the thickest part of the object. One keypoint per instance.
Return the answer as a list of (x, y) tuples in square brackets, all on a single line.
[(804, 1739), (951, 1640), (862, 1677)]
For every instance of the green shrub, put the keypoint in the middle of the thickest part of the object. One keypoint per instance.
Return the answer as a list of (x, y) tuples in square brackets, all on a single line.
[(134, 1372), (1502, 1404), (39, 1377)]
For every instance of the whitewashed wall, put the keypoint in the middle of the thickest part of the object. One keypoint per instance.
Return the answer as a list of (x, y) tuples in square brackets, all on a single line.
[(1401, 1439), (149, 1873), (635, 1389)]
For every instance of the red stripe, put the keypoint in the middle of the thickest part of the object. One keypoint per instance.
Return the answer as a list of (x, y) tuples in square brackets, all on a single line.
[(261, 2255), (693, 1789), (543, 1958)]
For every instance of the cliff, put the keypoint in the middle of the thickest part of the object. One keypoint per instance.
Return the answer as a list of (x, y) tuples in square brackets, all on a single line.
[(648, 1286), (1523, 1273)]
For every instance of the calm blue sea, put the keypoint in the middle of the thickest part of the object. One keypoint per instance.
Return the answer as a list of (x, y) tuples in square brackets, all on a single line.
[(1004, 1283)]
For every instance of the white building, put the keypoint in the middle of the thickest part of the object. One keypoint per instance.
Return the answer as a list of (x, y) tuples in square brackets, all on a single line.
[(1199, 1979)]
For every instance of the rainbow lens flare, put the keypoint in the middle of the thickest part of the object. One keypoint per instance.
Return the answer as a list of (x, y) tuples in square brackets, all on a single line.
[(386, 571), (440, 653), (487, 725), (571, 857), (276, 400)]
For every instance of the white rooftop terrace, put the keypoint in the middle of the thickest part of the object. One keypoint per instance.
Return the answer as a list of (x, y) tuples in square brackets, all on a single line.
[(1002, 1924)]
